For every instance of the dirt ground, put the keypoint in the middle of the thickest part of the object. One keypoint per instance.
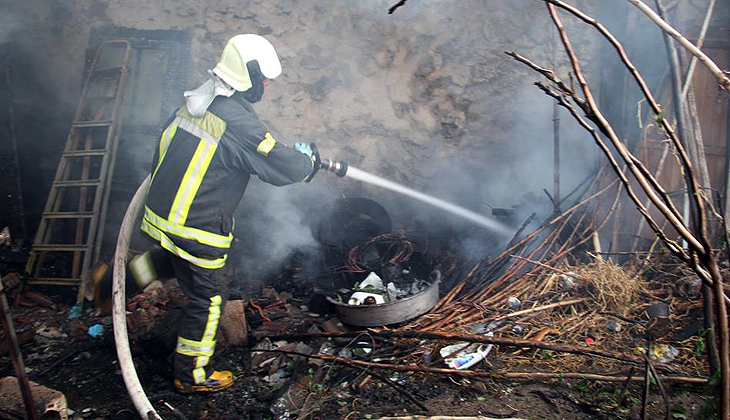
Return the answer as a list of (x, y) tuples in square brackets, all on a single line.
[(64, 357)]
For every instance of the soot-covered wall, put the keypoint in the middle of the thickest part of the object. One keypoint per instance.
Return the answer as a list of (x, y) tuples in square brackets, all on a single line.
[(425, 97)]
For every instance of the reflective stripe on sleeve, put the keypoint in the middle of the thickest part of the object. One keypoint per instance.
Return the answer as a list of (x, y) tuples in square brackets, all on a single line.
[(266, 144)]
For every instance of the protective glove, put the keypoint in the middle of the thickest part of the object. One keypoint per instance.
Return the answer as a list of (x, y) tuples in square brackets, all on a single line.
[(305, 148), (311, 151)]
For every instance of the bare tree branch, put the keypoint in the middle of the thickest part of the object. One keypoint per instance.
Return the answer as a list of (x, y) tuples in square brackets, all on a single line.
[(720, 75), (702, 260), (700, 41), (654, 105), (673, 246), (395, 6)]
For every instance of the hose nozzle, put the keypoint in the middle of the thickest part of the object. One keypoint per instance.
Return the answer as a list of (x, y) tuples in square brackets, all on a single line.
[(337, 168)]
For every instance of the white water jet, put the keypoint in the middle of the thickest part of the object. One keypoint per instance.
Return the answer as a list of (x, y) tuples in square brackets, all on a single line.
[(483, 221)]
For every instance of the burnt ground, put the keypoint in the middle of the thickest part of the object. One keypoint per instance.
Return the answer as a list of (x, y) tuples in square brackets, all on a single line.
[(63, 356)]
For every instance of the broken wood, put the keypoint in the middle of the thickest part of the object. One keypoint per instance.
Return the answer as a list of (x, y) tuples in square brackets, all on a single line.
[(538, 309), (17, 358), (595, 377), (448, 418), (562, 348), (365, 370)]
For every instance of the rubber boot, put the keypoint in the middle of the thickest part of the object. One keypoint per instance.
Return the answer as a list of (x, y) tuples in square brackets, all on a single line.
[(217, 381)]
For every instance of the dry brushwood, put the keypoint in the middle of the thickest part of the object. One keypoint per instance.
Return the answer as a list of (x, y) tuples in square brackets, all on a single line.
[(699, 254), (612, 287)]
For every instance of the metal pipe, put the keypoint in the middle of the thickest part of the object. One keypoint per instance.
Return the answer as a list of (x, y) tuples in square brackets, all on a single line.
[(124, 355)]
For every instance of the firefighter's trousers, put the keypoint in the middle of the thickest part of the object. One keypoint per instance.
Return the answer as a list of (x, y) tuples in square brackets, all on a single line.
[(205, 290)]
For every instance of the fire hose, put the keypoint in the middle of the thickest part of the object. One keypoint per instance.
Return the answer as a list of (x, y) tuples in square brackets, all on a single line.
[(121, 339)]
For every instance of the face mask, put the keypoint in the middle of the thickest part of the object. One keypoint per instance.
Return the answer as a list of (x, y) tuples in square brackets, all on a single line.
[(256, 91)]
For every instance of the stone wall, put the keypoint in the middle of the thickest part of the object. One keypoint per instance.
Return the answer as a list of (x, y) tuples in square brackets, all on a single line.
[(425, 96)]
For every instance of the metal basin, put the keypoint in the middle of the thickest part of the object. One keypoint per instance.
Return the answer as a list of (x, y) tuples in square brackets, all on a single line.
[(388, 313)]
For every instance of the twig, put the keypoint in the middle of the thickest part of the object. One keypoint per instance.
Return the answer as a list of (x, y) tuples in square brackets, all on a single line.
[(699, 256), (539, 308), (397, 5), (659, 384), (700, 41), (596, 377), (721, 77), (622, 393), (563, 348), (665, 206), (645, 396)]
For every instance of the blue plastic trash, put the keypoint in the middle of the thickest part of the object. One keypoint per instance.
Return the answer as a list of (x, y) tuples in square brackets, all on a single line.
[(75, 312), (96, 330)]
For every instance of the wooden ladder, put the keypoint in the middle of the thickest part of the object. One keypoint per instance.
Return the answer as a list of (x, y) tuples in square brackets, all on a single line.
[(69, 234)]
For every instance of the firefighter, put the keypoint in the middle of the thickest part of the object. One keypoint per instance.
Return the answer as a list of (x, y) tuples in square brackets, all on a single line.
[(206, 155)]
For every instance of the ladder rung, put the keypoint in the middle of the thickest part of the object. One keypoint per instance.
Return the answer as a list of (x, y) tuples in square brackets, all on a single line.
[(89, 124), (63, 281), (68, 215), (60, 247), (91, 152), (77, 183)]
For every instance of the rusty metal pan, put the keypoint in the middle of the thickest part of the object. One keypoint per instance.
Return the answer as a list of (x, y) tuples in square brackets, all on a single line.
[(390, 312)]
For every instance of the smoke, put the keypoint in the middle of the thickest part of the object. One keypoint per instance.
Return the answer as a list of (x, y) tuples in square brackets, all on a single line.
[(9, 23), (425, 97), (272, 223)]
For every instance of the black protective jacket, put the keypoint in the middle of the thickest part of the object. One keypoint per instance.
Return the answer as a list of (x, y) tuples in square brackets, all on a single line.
[(200, 171)]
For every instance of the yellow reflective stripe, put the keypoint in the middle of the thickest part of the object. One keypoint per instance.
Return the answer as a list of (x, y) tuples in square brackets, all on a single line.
[(143, 269), (266, 144), (195, 348), (199, 372), (166, 243), (210, 124), (203, 349), (191, 182), (214, 314), (166, 138), (207, 238)]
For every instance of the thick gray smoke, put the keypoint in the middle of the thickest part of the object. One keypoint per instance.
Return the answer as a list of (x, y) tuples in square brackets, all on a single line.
[(424, 97)]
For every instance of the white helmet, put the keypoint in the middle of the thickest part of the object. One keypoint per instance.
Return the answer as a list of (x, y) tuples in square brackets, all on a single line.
[(238, 52)]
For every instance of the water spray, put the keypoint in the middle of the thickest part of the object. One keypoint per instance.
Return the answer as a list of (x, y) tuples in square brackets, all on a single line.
[(342, 169)]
